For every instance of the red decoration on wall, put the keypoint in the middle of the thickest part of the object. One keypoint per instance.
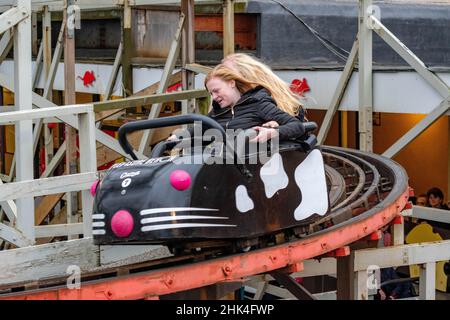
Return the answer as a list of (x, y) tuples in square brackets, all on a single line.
[(174, 87), (300, 86), (88, 78)]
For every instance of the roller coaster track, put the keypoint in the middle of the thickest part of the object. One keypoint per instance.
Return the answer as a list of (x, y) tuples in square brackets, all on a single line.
[(366, 192)]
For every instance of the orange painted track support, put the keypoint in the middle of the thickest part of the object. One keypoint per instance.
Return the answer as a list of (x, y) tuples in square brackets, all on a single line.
[(398, 220), (339, 252), (296, 267), (377, 235), (235, 267)]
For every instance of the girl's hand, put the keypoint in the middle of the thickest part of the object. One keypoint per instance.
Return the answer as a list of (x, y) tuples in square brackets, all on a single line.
[(172, 138), (271, 124), (264, 134)]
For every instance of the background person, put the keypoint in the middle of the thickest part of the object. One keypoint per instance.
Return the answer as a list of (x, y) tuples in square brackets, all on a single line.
[(435, 199)]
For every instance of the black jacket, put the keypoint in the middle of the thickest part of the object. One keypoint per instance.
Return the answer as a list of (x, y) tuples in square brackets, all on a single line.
[(255, 108)]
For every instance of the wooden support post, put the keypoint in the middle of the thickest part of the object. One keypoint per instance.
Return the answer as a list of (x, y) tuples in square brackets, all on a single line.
[(344, 129), (345, 277), (365, 78), (127, 69), (23, 128), (88, 163), (37, 66), (228, 27), (5, 38), (292, 286), (48, 88), (188, 52), (360, 285), (427, 281), (260, 289), (114, 72), (13, 236), (9, 208), (6, 43), (69, 98), (47, 41), (47, 59), (398, 232), (55, 61), (34, 39)]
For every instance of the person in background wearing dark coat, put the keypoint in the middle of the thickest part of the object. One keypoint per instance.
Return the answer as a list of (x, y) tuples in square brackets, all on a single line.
[(390, 290)]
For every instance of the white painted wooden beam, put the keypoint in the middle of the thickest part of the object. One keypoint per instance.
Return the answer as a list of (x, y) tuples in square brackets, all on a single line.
[(46, 186), (398, 234), (48, 87), (88, 163), (10, 209), (360, 285), (12, 116), (12, 17), (314, 267), (409, 57), (56, 160), (420, 127), (58, 230), (24, 129), (14, 236), (365, 78), (431, 214), (38, 66), (32, 263), (427, 281), (198, 68), (114, 72), (6, 43), (403, 255)]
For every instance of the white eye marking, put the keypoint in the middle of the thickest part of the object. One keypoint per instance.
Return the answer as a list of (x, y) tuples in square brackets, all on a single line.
[(126, 182), (310, 178), (273, 175), (243, 201)]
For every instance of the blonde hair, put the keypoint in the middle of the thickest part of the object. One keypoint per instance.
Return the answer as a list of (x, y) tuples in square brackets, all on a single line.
[(227, 74), (258, 73)]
